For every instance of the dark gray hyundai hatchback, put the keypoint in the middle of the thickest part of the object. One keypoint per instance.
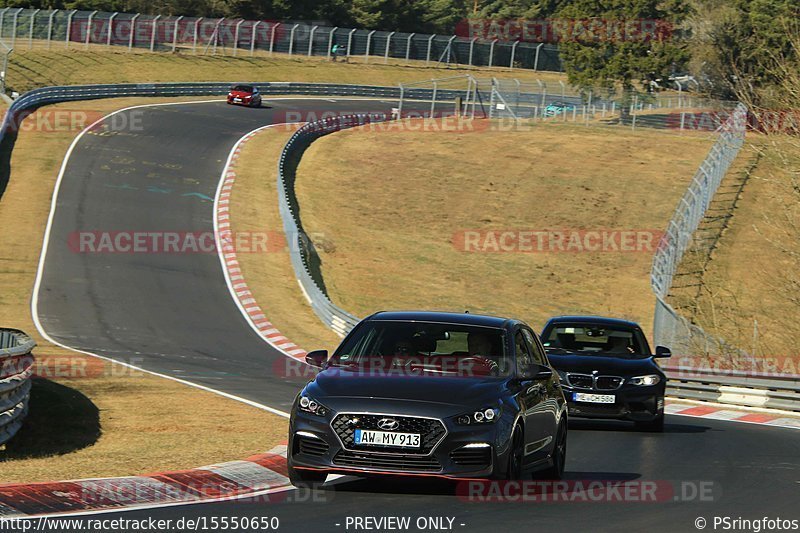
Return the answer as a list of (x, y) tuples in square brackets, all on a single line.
[(430, 394)]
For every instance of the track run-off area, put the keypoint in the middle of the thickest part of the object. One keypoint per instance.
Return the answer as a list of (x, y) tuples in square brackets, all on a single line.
[(173, 314)]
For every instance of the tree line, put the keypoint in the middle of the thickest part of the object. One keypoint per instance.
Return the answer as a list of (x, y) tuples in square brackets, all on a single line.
[(733, 47)]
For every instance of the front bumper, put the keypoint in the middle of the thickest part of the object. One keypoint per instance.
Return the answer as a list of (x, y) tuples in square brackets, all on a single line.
[(464, 452), (640, 404)]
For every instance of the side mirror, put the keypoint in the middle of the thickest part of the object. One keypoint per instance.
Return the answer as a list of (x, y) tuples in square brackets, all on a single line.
[(537, 372), (663, 352), (317, 358), (544, 374)]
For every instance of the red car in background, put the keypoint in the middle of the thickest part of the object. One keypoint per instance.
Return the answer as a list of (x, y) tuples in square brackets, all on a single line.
[(244, 95)]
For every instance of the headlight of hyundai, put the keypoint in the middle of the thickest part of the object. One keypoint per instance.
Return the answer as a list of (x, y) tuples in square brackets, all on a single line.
[(644, 381), (310, 405), (486, 415)]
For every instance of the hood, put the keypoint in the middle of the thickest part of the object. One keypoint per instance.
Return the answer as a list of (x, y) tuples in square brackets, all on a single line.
[(447, 391), (606, 365)]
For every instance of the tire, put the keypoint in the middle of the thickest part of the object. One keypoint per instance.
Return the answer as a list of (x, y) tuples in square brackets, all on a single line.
[(556, 470), (306, 478), (514, 468), (654, 426)]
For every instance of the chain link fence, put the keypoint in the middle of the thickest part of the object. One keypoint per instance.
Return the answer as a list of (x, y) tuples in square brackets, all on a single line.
[(39, 28), (671, 329)]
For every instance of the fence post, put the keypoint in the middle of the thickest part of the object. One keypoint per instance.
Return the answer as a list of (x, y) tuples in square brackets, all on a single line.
[(236, 38), (408, 46), (491, 52), (30, 31), (89, 29), (350, 42), (513, 53), (369, 42), (196, 31), (254, 29), (2, 16), (471, 50), (433, 100), (14, 22), (153, 33), (311, 41), (133, 32), (272, 37), (110, 28), (386, 54), (50, 27), (291, 39), (430, 44), (400, 105), (330, 40), (216, 35), (175, 34), (69, 27), (536, 57)]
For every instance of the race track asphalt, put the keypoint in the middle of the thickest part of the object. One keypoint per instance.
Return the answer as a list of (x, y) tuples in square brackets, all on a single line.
[(173, 314)]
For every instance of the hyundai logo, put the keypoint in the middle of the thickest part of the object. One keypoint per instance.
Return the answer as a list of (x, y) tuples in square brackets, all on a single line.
[(388, 424)]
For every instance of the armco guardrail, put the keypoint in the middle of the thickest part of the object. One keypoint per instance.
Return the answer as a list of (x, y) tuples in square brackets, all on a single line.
[(303, 255), (738, 389), (16, 369)]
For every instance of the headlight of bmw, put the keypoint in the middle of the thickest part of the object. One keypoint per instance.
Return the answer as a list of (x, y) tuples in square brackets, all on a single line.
[(481, 416), (310, 405), (645, 381)]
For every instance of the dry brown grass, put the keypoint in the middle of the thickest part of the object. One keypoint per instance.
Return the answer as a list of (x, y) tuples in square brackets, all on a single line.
[(29, 69), (752, 275), (111, 422), (254, 208), (389, 205)]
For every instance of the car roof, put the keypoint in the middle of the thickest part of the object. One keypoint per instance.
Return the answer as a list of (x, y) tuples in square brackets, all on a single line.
[(589, 319), (447, 318)]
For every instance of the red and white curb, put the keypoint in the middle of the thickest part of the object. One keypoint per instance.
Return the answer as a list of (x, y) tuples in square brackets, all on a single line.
[(732, 414), (257, 478), (233, 272)]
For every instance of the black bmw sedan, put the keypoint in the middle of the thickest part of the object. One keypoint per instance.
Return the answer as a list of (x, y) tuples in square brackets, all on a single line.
[(606, 369), (430, 394)]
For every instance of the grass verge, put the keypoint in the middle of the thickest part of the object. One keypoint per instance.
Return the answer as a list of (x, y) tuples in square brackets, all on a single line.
[(393, 206), (90, 418)]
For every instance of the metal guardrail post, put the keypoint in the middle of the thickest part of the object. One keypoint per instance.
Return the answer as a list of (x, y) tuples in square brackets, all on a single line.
[(272, 37), (388, 43), (513, 53), (69, 27), (408, 47), (430, 45), (311, 41), (14, 23), (536, 58), (491, 53), (369, 42), (50, 27), (471, 50), (291, 39), (254, 31), (110, 28), (175, 34), (133, 32), (433, 99), (350, 43), (30, 31), (196, 32), (236, 37), (89, 29), (153, 32), (330, 41)]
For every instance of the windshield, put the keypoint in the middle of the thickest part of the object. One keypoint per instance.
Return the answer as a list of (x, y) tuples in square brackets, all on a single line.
[(424, 348), (242, 88), (595, 339)]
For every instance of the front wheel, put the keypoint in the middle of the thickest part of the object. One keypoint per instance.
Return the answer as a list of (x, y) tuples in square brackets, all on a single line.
[(559, 460), (306, 478)]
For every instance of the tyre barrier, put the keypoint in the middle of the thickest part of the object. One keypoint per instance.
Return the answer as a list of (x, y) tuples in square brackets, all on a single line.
[(16, 369)]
